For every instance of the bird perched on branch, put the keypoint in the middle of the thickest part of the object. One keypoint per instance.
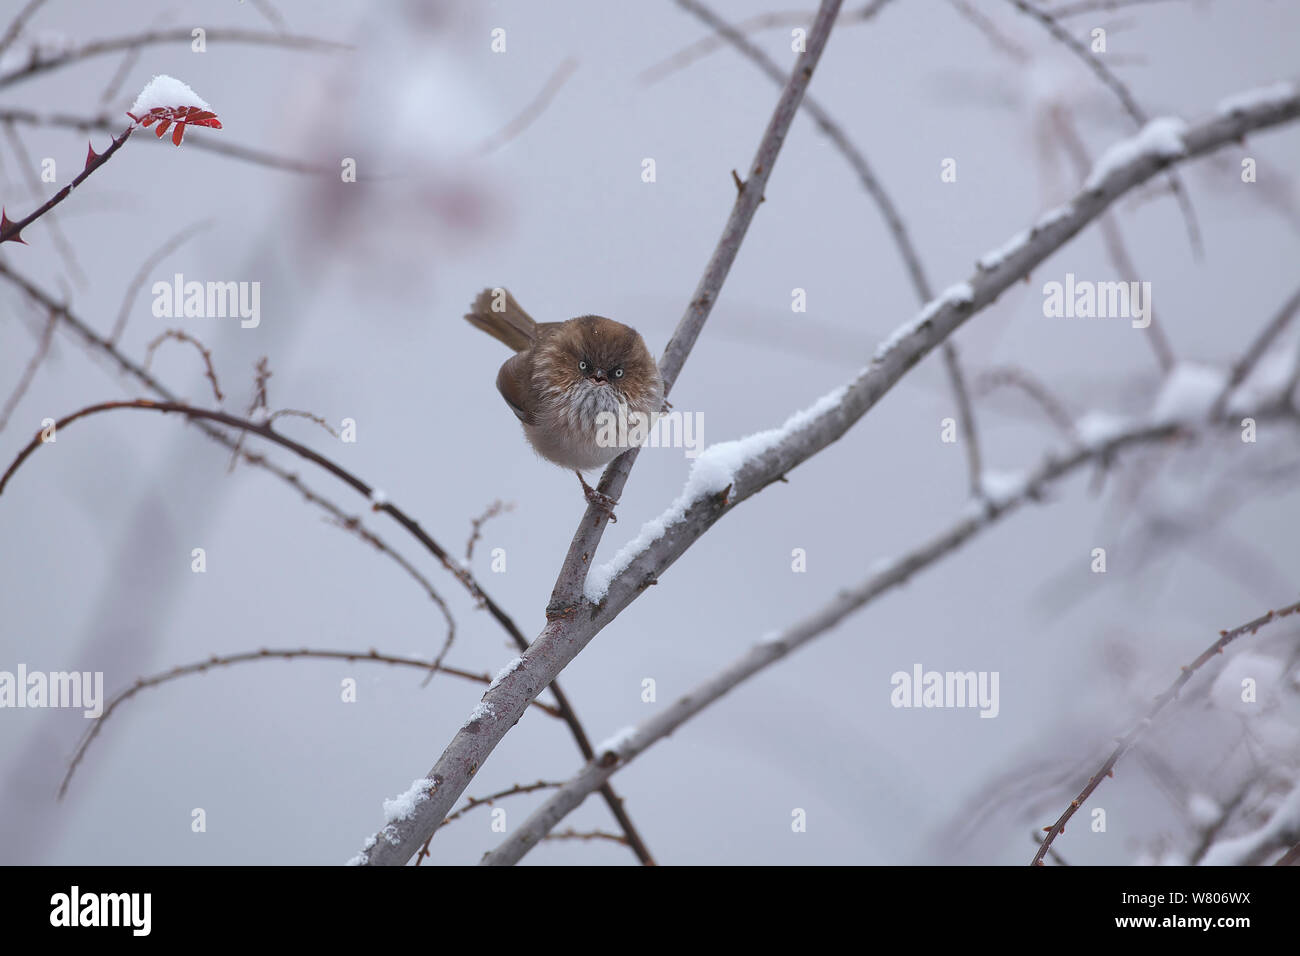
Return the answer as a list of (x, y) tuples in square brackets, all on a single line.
[(586, 389)]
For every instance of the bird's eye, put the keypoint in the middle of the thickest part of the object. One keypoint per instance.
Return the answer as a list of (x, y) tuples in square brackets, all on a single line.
[(582, 366), (618, 372)]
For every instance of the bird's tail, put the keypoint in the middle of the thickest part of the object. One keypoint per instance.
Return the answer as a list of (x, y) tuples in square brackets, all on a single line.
[(496, 312)]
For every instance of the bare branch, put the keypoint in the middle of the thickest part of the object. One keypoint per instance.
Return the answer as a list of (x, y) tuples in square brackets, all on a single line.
[(1244, 365), (1100, 6), (577, 617), (263, 654), (1108, 768), (17, 23), (768, 651), (10, 231), (573, 572), (57, 235), (893, 220), (1013, 377), (476, 525), (29, 372), (763, 21), (106, 124), (461, 572), (355, 526), (1116, 86), (586, 835), (299, 413), (182, 35), (530, 112), (182, 336), (142, 276), (1111, 236)]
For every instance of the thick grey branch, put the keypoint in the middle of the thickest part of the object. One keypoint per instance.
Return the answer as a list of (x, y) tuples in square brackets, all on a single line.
[(569, 630), (399, 840), (771, 649)]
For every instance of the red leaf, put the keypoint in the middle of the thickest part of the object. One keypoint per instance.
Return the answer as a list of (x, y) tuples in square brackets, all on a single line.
[(176, 118)]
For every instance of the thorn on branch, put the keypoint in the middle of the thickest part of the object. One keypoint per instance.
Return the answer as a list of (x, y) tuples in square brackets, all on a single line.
[(741, 184)]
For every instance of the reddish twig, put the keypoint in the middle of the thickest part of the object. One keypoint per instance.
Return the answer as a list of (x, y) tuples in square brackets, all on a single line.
[(1108, 768), (11, 230), (298, 413), (412, 527), (262, 654), (476, 525), (61, 243), (181, 336)]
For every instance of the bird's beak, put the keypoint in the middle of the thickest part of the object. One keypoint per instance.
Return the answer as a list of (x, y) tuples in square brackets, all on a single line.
[(599, 377)]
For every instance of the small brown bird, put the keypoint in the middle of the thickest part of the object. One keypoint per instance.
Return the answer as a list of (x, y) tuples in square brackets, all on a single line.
[(569, 380)]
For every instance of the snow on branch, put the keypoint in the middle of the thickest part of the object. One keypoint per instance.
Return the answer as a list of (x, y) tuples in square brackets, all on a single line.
[(571, 626), (887, 575)]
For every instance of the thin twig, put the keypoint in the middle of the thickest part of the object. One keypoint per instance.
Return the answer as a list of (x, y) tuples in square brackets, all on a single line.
[(476, 525), (1100, 6), (412, 527), (106, 124), (773, 648), (1014, 377), (1111, 236), (586, 835), (401, 844), (170, 35), (1107, 769), (17, 23), (299, 413), (1116, 86), (530, 112), (10, 231), (29, 372), (179, 335), (575, 620), (60, 240), (1246, 364), (763, 21), (142, 375), (262, 654), (487, 801), (142, 276), (856, 159), (354, 525)]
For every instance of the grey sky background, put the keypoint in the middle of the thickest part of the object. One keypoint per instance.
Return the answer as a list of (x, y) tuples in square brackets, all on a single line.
[(363, 287)]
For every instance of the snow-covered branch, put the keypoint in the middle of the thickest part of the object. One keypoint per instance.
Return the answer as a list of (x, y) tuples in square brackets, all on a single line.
[(772, 648), (489, 724), (727, 474)]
